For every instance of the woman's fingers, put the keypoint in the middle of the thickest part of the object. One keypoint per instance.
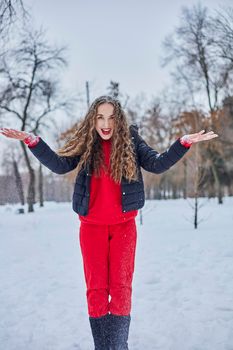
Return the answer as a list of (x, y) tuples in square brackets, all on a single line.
[(5, 132), (201, 136), (8, 132), (12, 133), (208, 137), (208, 133)]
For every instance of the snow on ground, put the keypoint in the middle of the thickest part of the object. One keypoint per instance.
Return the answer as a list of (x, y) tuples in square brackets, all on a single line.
[(182, 287)]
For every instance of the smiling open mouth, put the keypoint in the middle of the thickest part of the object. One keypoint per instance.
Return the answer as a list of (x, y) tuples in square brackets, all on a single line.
[(106, 131)]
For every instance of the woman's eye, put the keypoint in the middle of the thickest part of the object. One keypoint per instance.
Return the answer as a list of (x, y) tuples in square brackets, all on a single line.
[(109, 117)]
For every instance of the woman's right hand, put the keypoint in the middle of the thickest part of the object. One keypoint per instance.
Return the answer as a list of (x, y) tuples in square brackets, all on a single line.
[(14, 134)]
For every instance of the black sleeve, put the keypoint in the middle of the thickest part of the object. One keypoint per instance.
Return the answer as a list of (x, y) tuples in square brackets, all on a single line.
[(154, 162), (50, 159)]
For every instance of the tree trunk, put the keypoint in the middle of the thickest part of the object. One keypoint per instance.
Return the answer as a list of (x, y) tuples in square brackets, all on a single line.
[(140, 216), (19, 183), (196, 186), (31, 185), (196, 210), (230, 190), (185, 179), (164, 189), (40, 186), (217, 182), (174, 191)]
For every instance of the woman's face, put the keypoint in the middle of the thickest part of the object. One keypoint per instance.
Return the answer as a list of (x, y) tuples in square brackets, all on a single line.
[(105, 120)]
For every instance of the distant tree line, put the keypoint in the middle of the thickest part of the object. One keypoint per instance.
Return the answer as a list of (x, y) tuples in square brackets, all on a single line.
[(200, 96)]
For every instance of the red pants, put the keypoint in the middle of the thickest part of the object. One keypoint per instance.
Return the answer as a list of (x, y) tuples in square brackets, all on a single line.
[(108, 253)]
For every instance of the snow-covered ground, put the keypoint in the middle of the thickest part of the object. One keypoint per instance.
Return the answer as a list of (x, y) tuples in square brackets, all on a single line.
[(182, 287)]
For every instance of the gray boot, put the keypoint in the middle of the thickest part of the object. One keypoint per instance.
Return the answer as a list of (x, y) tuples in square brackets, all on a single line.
[(119, 332), (100, 331)]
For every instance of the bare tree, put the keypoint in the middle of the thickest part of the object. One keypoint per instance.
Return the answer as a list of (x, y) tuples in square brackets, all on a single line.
[(114, 91), (193, 48), (29, 93), (10, 12), (222, 24), (11, 161), (201, 68)]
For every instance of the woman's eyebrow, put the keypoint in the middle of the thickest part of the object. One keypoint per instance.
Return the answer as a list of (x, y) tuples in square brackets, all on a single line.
[(103, 115)]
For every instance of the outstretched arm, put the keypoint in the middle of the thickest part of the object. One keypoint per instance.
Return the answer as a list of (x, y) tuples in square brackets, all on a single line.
[(42, 151), (157, 163)]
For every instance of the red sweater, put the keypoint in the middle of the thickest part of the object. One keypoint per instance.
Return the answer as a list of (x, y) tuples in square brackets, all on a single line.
[(105, 196)]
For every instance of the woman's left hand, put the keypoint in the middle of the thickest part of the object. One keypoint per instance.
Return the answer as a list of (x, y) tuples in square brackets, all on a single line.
[(199, 136)]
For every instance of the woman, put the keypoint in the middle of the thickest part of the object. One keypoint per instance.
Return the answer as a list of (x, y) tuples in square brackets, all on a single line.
[(109, 190)]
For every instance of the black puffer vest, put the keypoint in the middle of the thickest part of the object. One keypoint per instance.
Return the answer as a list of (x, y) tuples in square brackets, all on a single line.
[(133, 196)]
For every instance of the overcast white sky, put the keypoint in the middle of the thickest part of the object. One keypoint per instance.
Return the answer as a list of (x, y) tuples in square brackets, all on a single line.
[(107, 40), (113, 39)]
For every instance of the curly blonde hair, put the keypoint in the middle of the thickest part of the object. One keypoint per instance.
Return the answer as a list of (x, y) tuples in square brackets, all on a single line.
[(86, 142)]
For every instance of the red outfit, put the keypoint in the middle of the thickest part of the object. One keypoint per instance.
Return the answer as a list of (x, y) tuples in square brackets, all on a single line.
[(108, 242), (108, 253), (108, 239), (105, 196)]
